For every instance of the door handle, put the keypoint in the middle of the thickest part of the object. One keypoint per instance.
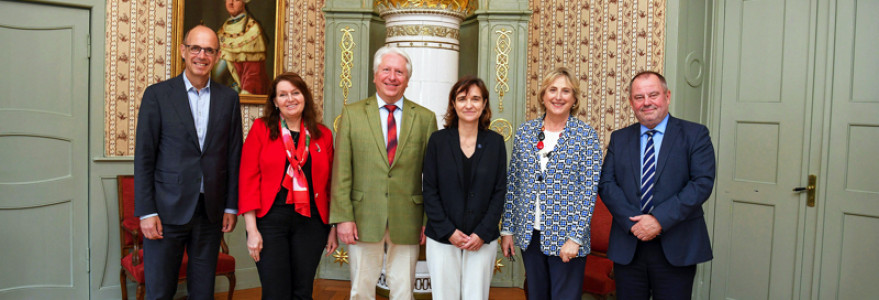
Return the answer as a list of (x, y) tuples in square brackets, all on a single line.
[(809, 189)]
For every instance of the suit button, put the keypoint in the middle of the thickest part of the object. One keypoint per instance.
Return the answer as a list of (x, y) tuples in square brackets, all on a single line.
[(389, 175), (386, 195)]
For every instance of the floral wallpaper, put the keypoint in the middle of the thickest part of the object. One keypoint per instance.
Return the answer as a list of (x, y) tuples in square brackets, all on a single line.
[(605, 42)]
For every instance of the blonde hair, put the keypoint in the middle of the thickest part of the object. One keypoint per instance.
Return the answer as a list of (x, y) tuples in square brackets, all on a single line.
[(572, 81)]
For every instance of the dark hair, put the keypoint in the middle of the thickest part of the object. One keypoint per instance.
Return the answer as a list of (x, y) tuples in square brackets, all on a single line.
[(646, 74), (271, 115), (463, 85)]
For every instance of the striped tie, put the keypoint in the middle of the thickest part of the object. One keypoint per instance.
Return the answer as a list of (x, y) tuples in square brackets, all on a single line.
[(648, 172), (392, 133)]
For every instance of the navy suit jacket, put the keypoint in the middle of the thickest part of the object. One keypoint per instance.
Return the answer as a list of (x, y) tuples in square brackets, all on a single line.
[(447, 205), (684, 180), (168, 163)]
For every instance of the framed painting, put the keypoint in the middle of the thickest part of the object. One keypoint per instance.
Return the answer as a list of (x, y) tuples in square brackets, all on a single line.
[(249, 41)]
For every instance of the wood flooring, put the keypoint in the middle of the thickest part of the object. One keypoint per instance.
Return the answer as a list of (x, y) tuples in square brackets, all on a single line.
[(326, 289)]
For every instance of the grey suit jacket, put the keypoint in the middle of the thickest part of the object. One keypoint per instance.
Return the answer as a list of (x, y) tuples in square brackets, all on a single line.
[(168, 163)]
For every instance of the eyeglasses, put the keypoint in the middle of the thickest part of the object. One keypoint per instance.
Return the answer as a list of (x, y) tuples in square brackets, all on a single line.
[(195, 50)]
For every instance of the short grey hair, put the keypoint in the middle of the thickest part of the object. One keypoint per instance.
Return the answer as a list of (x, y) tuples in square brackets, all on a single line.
[(388, 49)]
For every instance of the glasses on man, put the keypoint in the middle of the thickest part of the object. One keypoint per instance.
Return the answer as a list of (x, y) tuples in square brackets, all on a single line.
[(195, 50)]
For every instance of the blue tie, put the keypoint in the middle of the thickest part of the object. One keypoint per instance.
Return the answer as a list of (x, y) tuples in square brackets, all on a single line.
[(648, 172)]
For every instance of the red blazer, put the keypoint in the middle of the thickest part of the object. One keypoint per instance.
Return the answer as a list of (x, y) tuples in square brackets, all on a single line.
[(262, 168)]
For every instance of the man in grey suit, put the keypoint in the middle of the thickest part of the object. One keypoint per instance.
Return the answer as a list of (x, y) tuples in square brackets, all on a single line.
[(186, 171)]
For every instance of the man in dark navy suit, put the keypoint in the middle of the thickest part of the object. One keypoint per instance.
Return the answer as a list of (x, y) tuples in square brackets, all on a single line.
[(186, 171), (655, 177)]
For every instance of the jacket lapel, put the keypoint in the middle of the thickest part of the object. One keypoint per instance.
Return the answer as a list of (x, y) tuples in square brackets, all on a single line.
[(669, 140), (633, 151), (375, 123), (477, 153), (180, 102), (455, 150), (406, 127), (213, 110)]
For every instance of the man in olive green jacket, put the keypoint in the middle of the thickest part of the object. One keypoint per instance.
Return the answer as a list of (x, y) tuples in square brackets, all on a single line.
[(376, 200)]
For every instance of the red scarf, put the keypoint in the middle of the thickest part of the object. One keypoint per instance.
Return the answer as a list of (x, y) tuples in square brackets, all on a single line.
[(294, 179)]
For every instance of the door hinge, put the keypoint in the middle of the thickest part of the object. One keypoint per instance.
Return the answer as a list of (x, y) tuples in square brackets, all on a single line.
[(88, 46)]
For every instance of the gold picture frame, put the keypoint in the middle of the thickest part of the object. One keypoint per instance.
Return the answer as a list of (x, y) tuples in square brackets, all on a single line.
[(210, 12)]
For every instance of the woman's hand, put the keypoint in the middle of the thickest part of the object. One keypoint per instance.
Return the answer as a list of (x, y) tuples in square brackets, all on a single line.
[(507, 246), (474, 243), (459, 239), (254, 244), (332, 243), (569, 250)]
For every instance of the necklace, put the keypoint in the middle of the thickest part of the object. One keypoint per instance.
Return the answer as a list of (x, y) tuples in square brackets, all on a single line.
[(541, 136)]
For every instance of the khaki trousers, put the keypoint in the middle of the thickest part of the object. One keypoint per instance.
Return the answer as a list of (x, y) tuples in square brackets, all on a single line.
[(366, 266)]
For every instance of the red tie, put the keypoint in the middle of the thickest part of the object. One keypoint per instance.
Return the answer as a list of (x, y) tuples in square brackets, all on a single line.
[(392, 133)]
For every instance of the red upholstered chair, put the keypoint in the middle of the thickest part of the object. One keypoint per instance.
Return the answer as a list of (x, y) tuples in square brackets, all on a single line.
[(598, 279), (131, 241)]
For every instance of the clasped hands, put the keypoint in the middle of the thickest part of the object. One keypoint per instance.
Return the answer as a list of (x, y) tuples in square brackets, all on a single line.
[(646, 227), (470, 242)]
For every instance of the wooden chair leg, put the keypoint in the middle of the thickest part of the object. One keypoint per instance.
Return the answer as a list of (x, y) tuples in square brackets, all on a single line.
[(123, 284), (140, 291), (231, 277)]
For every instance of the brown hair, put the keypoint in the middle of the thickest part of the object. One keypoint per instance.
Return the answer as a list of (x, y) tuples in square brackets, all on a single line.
[(463, 85), (572, 81), (271, 115)]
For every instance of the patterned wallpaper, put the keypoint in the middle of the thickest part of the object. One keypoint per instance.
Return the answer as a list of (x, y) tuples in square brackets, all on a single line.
[(138, 54), (604, 41)]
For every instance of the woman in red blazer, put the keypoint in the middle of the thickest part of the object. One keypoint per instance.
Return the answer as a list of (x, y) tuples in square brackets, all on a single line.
[(284, 190)]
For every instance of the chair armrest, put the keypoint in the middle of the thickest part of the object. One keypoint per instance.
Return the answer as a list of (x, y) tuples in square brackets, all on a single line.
[(598, 253)]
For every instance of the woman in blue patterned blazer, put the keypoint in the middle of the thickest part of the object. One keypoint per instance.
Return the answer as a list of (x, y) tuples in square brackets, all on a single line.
[(551, 190)]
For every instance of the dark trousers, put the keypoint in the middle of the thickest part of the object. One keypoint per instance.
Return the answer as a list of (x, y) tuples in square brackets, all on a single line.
[(650, 274), (292, 246), (549, 277), (162, 258)]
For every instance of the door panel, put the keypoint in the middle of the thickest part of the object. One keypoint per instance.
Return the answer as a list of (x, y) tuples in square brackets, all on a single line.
[(763, 101), (43, 145), (850, 258)]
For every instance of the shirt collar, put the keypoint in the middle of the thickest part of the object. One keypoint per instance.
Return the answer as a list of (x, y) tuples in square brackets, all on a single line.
[(660, 128), (382, 103), (189, 85)]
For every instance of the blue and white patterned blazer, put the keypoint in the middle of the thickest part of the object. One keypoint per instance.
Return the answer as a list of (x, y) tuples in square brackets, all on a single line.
[(567, 189)]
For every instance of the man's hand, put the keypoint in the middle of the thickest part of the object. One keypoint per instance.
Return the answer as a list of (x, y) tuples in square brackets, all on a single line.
[(507, 246), (646, 227), (474, 243), (347, 232), (569, 250), (151, 228), (229, 221), (458, 239)]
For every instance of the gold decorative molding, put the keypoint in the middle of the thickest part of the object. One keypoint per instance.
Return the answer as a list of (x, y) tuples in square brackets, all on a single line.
[(459, 8), (340, 256), (347, 61), (498, 265), (503, 127), (503, 46), (423, 30)]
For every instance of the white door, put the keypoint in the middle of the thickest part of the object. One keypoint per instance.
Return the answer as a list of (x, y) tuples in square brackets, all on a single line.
[(43, 149), (849, 260), (762, 88)]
